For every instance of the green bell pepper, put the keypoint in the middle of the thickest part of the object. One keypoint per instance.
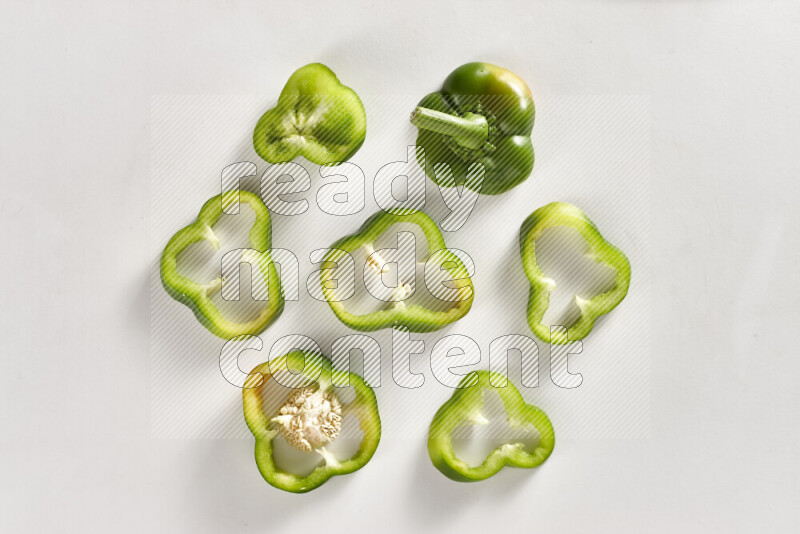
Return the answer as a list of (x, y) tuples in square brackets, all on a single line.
[(562, 214), (465, 406), (196, 295), (309, 419), (483, 114), (413, 316), (316, 117)]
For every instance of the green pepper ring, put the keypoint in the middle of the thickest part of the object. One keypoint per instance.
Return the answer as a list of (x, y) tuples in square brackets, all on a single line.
[(197, 296), (563, 214), (414, 317), (259, 422), (465, 405)]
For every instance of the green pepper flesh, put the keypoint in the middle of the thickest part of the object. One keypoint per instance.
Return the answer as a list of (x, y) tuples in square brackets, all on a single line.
[(414, 317), (316, 117), (319, 372), (563, 214), (196, 295), (465, 407)]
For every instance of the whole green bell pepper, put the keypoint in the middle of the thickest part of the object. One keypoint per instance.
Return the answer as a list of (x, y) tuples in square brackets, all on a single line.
[(309, 419), (196, 295), (563, 214), (316, 117), (482, 114), (465, 406), (413, 316)]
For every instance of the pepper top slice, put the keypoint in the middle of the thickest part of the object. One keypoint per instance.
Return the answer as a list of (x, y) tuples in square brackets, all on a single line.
[(316, 117), (563, 214), (483, 114), (465, 407), (309, 419), (413, 316), (197, 295)]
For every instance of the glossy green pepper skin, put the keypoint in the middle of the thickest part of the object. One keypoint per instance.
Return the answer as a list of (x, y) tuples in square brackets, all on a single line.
[(316, 117), (197, 295), (563, 214), (317, 373), (413, 316), (483, 114), (465, 407)]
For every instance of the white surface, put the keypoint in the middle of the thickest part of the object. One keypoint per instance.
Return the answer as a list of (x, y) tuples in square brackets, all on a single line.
[(77, 452), (592, 151)]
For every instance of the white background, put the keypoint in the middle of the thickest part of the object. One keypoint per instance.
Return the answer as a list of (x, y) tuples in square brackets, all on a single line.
[(592, 150), (78, 452)]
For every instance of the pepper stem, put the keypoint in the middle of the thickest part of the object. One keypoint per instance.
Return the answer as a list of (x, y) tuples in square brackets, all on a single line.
[(470, 130)]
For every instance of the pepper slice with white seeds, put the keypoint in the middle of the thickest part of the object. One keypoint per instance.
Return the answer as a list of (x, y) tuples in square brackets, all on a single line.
[(309, 418), (453, 296)]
